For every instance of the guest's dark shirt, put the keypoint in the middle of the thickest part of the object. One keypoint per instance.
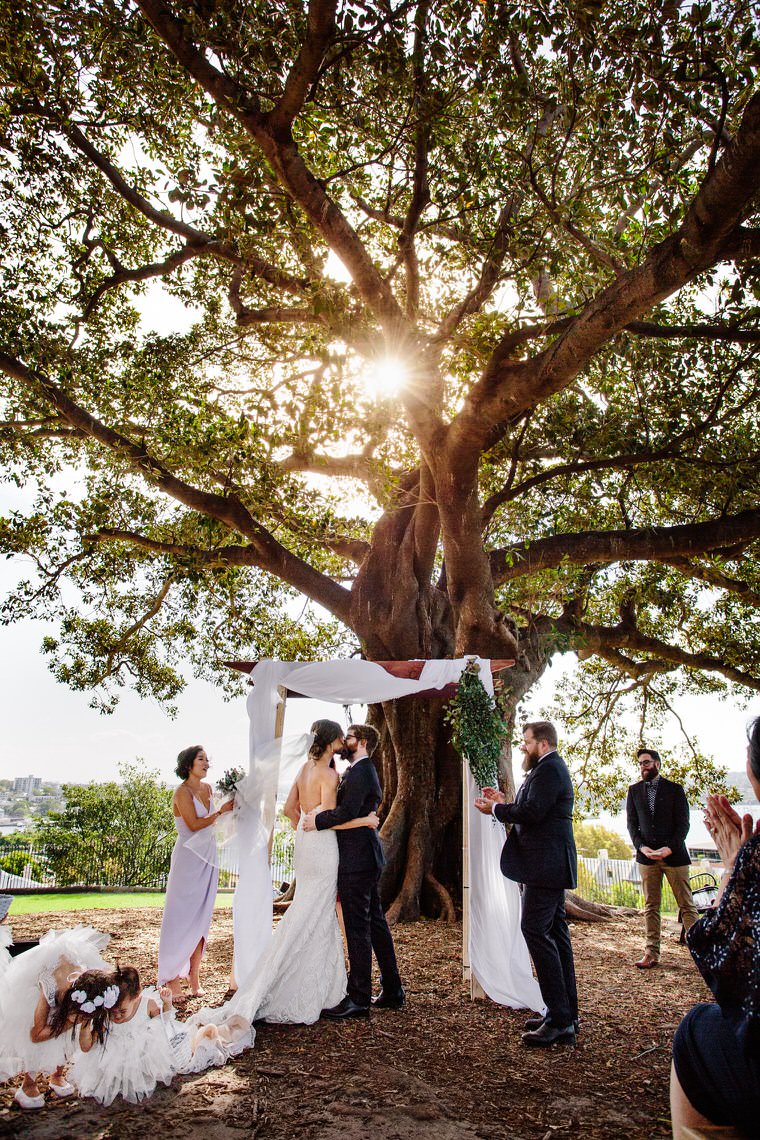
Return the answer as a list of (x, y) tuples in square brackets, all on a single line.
[(725, 942)]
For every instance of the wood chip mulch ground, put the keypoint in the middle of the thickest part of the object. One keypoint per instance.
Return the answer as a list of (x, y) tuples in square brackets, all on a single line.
[(443, 1067)]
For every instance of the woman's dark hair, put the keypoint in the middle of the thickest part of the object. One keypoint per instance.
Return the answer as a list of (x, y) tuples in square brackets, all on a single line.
[(92, 983), (753, 736), (186, 759), (127, 978), (325, 731)]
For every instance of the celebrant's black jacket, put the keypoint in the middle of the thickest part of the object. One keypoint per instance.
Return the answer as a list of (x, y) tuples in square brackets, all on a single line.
[(540, 848), (359, 793), (669, 825)]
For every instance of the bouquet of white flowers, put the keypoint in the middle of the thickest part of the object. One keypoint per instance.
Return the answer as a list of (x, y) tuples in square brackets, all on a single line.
[(229, 781)]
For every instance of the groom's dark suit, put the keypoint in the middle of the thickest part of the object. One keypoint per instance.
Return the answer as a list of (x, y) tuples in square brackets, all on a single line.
[(540, 853), (359, 867)]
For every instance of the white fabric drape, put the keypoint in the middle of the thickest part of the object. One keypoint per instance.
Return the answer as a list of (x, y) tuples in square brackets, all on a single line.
[(499, 958), (274, 763), (498, 954)]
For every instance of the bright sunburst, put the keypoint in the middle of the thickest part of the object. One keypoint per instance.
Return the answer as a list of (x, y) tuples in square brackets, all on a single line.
[(385, 377)]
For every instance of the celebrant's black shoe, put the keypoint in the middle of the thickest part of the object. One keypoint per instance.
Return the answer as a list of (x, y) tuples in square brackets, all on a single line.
[(547, 1034), (344, 1009), (388, 1000)]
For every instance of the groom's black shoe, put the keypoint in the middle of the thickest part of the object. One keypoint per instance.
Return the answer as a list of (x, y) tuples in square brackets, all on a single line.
[(389, 1000), (537, 1021), (344, 1009), (548, 1034)]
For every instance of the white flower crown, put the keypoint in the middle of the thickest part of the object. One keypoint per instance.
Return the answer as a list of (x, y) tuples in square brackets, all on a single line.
[(107, 999)]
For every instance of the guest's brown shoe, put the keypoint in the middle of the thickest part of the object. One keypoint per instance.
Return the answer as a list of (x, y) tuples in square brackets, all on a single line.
[(648, 961)]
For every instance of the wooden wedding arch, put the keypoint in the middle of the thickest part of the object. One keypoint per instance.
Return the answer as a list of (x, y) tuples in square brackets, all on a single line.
[(410, 671)]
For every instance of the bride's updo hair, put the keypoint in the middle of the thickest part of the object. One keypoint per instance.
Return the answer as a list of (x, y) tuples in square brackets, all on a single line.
[(325, 731)]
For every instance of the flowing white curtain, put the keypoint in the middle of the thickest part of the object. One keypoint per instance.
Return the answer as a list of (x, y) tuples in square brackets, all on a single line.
[(498, 954)]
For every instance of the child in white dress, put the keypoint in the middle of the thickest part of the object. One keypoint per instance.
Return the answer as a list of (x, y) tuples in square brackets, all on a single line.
[(38, 1014), (146, 1045)]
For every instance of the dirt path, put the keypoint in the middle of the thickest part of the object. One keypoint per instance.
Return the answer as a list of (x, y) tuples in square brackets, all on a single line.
[(442, 1067)]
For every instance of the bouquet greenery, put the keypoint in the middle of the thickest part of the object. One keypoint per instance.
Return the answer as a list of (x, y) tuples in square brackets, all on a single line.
[(229, 781), (477, 728)]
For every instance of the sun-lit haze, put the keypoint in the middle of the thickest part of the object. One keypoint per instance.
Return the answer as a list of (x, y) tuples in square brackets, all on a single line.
[(385, 377)]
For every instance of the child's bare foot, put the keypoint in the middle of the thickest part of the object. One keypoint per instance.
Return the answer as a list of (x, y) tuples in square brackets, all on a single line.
[(30, 1086)]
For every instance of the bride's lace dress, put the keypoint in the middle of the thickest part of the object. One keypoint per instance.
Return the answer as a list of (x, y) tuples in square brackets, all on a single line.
[(303, 971)]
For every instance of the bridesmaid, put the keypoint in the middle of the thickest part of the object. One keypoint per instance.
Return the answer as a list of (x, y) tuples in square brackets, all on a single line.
[(191, 889)]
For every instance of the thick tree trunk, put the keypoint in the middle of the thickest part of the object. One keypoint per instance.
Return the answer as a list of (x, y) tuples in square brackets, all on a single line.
[(421, 811), (421, 775)]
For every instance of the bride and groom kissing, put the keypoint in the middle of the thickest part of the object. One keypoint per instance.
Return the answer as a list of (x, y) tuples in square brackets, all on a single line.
[(360, 862), (302, 975)]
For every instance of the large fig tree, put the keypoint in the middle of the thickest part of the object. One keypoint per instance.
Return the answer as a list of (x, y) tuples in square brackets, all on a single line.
[(224, 221)]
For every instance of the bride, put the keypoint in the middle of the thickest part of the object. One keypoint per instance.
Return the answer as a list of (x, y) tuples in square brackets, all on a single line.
[(303, 971)]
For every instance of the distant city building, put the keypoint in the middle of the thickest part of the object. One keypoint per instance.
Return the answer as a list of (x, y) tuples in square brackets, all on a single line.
[(27, 785)]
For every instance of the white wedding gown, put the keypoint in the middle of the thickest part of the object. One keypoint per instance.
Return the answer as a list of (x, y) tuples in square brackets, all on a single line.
[(303, 970)]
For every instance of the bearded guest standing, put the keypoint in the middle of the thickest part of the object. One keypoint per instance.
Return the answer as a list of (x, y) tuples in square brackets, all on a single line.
[(658, 822), (540, 853)]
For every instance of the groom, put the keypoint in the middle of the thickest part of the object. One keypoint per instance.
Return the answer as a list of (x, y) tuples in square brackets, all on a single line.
[(359, 867)]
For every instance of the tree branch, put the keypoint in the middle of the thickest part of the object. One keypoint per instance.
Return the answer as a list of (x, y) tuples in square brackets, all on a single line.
[(602, 639), (198, 242), (279, 147), (715, 577), (508, 388), (271, 555), (657, 543), (144, 273), (320, 30), (420, 187), (703, 331), (271, 314)]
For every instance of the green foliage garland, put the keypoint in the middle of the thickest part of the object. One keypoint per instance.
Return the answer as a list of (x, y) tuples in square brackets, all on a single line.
[(477, 728)]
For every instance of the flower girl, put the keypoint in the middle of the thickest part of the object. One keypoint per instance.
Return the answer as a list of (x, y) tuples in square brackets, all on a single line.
[(146, 1045), (39, 1014)]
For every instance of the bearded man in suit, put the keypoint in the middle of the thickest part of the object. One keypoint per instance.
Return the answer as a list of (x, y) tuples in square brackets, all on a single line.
[(539, 853), (657, 812)]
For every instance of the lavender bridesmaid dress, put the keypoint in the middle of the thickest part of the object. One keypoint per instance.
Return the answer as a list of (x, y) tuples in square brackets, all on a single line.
[(190, 895)]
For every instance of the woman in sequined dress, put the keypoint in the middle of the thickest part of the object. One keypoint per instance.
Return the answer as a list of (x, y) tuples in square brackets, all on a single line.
[(715, 1076)]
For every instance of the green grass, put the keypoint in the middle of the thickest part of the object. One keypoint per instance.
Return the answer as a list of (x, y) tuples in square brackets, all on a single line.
[(42, 904)]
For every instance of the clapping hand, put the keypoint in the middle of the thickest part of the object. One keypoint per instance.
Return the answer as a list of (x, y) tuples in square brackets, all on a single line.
[(489, 797), (727, 828)]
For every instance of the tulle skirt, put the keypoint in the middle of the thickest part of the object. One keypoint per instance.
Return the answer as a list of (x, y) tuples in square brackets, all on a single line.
[(196, 1048), (20, 991), (132, 1060)]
